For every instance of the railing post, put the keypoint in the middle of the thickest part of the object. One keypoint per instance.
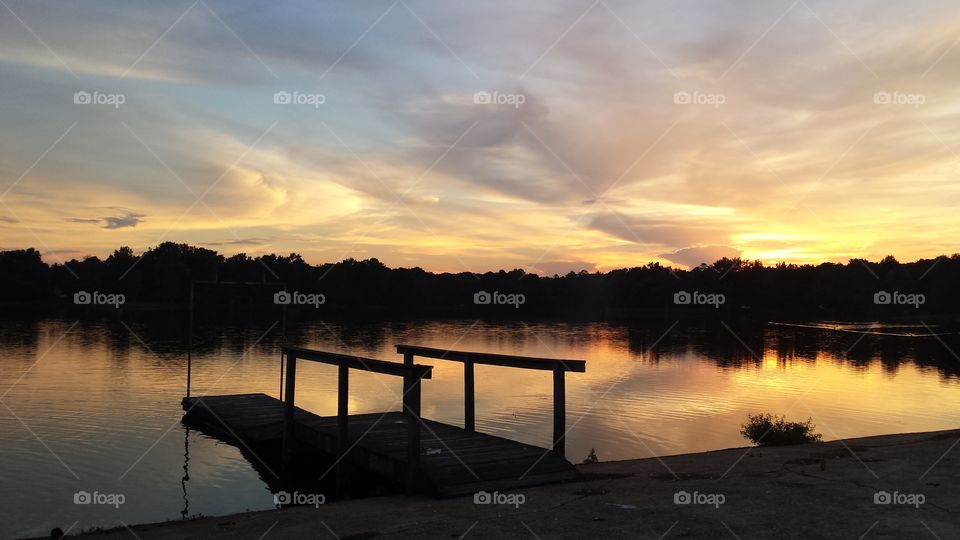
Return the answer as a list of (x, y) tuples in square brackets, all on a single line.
[(288, 409), (407, 361), (411, 409), (559, 410), (343, 388), (469, 404)]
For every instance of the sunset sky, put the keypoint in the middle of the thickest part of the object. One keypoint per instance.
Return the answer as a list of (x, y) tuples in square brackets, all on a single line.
[(628, 131)]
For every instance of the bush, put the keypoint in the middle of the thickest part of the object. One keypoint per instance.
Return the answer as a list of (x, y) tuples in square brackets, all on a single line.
[(769, 430)]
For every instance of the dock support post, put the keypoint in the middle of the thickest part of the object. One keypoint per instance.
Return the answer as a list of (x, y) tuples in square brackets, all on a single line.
[(469, 403), (411, 409), (343, 388), (559, 411), (288, 409), (407, 361)]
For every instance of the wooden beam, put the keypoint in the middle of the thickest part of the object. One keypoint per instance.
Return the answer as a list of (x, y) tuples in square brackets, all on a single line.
[(490, 359), (407, 361), (288, 409), (411, 409), (357, 362), (559, 412), (343, 394)]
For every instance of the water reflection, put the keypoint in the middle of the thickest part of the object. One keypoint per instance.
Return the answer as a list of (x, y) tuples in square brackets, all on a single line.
[(186, 472), (95, 404)]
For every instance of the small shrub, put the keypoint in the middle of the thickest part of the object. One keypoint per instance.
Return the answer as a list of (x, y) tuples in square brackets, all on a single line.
[(769, 430), (591, 457)]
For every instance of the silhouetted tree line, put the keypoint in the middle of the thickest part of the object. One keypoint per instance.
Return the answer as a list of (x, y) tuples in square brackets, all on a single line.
[(163, 275)]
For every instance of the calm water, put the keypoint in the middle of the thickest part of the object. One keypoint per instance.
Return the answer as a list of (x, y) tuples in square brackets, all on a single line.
[(95, 406)]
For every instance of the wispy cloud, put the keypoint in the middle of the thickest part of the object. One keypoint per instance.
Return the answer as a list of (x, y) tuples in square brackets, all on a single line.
[(128, 219)]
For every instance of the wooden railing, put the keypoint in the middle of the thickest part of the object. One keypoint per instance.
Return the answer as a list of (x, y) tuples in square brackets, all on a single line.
[(559, 367), (412, 374)]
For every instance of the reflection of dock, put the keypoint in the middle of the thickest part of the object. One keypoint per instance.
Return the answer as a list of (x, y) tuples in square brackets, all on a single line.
[(400, 446)]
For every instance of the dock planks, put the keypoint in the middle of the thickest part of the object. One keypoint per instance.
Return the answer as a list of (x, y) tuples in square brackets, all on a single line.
[(467, 461)]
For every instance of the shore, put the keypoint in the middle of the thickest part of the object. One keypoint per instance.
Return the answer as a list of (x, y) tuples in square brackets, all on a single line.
[(883, 487)]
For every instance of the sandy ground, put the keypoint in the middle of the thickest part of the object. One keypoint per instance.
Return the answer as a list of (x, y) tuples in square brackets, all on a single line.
[(826, 490)]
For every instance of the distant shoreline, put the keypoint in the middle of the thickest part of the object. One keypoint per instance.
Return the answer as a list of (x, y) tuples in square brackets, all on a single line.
[(179, 274)]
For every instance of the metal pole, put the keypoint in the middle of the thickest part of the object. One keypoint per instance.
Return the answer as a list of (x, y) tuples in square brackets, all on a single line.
[(190, 341)]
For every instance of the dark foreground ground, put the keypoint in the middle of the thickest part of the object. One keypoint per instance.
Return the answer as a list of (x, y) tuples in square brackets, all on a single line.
[(894, 486)]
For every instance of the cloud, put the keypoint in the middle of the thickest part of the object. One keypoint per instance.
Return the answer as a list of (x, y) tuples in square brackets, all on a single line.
[(659, 230), (694, 256), (197, 48), (124, 220), (239, 242), (120, 222)]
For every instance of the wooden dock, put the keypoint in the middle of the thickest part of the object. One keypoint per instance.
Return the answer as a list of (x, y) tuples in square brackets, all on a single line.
[(453, 461), (420, 454)]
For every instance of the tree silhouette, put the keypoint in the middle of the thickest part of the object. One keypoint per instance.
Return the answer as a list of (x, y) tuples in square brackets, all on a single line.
[(163, 275)]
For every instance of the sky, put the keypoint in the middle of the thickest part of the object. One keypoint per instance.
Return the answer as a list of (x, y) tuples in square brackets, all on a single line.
[(473, 136)]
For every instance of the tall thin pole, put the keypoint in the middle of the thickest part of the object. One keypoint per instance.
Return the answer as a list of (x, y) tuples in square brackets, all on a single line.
[(190, 341)]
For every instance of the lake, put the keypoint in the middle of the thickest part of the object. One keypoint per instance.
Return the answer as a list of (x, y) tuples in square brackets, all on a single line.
[(94, 405)]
